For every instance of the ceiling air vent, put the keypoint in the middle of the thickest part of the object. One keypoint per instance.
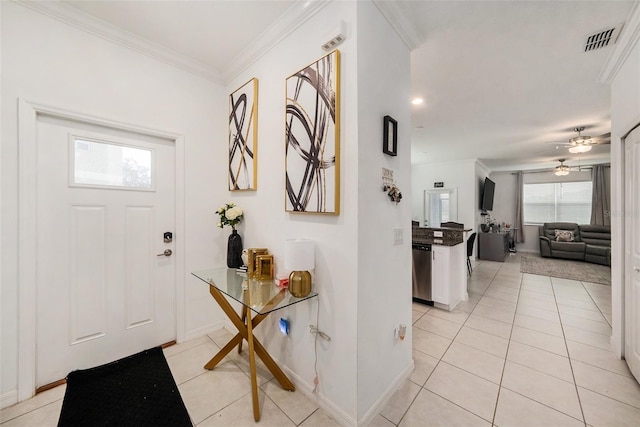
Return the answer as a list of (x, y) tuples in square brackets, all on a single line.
[(602, 39)]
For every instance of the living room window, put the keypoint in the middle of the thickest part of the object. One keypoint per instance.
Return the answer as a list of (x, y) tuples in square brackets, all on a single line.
[(557, 202)]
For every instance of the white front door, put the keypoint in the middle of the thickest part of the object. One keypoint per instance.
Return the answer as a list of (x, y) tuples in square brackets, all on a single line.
[(104, 198), (632, 252)]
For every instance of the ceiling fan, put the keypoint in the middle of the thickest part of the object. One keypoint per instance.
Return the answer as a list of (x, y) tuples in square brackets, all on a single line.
[(562, 169), (583, 143)]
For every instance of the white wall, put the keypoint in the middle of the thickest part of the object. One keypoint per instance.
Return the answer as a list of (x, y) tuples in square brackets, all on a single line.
[(268, 225), (51, 63), (504, 210), (460, 174), (625, 113), (361, 298), (503, 201), (466, 175), (384, 270), (481, 172)]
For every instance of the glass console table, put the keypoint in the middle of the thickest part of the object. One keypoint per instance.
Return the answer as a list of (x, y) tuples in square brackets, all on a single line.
[(261, 297)]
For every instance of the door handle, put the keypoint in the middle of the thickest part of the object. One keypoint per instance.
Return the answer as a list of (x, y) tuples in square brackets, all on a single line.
[(637, 269), (167, 252)]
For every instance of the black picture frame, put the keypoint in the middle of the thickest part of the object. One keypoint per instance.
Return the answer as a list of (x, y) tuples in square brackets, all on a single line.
[(390, 136)]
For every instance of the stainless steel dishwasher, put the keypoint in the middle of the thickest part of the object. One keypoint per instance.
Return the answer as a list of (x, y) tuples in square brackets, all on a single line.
[(422, 273)]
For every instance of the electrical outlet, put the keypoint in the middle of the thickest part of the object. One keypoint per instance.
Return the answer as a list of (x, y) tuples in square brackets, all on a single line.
[(398, 236)]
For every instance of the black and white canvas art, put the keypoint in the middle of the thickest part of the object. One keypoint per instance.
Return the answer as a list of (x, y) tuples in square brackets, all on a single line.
[(312, 133), (243, 137)]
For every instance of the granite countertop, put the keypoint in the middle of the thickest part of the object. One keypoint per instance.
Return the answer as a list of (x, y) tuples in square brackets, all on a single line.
[(450, 236)]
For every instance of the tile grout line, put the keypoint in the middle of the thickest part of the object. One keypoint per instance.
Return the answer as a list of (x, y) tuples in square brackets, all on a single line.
[(3, 421), (597, 305), (463, 324), (590, 364), (506, 355), (564, 336), (422, 387), (241, 397)]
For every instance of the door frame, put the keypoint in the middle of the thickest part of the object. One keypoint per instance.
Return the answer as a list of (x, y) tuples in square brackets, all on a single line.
[(620, 337), (27, 184)]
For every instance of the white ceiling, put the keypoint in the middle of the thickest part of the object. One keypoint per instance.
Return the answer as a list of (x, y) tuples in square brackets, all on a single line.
[(499, 79)]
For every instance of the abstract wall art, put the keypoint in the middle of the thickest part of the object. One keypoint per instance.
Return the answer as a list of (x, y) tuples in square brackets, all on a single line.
[(243, 137), (312, 137)]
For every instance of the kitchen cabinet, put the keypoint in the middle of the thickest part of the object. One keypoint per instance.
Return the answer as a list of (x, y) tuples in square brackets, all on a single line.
[(448, 275)]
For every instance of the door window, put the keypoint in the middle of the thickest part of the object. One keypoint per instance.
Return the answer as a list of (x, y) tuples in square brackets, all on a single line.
[(108, 164)]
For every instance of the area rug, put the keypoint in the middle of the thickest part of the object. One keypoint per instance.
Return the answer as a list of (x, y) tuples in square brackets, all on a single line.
[(566, 269), (138, 390)]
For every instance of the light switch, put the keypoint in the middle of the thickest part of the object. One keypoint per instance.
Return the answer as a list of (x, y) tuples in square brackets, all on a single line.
[(398, 236)]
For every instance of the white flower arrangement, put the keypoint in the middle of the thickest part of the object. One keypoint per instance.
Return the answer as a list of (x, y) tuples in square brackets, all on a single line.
[(230, 214)]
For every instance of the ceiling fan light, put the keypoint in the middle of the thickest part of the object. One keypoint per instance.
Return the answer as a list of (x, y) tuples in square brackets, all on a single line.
[(561, 170), (577, 149), (578, 140)]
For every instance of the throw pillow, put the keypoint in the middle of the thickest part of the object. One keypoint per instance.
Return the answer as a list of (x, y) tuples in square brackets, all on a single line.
[(564, 236)]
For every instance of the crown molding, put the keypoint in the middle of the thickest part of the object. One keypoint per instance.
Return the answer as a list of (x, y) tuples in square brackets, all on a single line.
[(409, 34), (296, 15), (482, 166), (89, 24), (627, 41)]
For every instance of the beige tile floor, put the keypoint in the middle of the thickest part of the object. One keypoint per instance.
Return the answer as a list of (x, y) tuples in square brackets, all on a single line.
[(525, 350)]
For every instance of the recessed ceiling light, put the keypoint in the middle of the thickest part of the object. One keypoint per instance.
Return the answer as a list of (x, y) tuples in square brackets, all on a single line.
[(417, 101)]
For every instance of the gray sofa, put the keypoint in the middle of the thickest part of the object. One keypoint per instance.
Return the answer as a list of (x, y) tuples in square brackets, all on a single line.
[(591, 243)]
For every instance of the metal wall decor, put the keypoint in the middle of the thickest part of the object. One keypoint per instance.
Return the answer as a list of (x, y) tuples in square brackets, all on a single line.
[(243, 137), (312, 137)]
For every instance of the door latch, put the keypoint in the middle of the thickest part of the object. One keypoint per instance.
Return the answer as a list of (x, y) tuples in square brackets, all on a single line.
[(168, 237)]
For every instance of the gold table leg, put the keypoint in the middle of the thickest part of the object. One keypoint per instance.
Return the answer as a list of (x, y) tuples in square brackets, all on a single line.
[(245, 326), (252, 365), (244, 318)]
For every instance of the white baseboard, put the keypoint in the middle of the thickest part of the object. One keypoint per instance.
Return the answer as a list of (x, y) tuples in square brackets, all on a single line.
[(204, 330), (380, 403), (337, 413), (529, 251), (9, 398)]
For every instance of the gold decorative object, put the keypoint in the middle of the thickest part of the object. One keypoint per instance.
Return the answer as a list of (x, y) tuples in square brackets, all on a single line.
[(299, 255), (300, 283), (252, 253), (265, 267)]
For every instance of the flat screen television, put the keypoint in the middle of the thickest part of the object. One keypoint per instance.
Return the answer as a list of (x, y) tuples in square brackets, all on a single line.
[(486, 202)]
